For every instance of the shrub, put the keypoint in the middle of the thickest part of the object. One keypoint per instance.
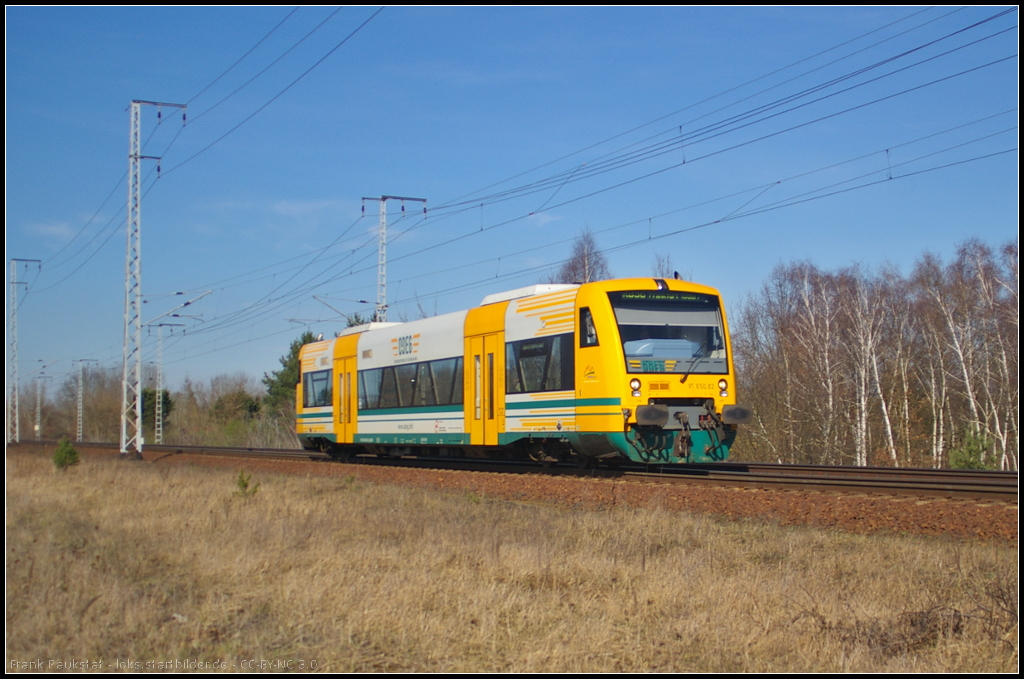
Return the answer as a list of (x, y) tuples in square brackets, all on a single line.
[(245, 486), (65, 455), (971, 452)]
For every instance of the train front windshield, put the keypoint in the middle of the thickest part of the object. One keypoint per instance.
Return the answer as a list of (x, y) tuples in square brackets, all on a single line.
[(664, 331)]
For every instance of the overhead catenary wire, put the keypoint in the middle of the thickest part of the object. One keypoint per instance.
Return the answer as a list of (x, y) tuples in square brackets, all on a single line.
[(276, 96), (466, 197), (692, 134), (730, 124), (120, 182), (662, 151), (293, 279), (561, 181), (731, 216), (242, 58), (271, 64), (757, 190), (529, 271), (690, 139), (648, 175), (452, 240)]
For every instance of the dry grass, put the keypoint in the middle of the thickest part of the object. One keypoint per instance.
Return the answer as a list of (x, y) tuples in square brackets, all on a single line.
[(116, 560)]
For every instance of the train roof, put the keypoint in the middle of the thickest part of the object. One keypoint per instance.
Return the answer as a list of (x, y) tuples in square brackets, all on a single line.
[(528, 291), (373, 325), (547, 288)]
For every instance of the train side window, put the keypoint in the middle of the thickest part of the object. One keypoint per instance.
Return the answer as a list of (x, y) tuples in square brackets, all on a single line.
[(316, 389), (448, 380), (490, 386), (414, 384), (479, 387), (406, 377), (388, 389), (588, 333), (513, 385), (348, 395), (369, 388), (541, 364), (424, 393), (457, 383)]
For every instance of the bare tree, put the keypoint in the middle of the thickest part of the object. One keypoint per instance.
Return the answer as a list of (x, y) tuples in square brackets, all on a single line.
[(101, 404), (662, 265), (875, 368), (866, 310), (585, 264)]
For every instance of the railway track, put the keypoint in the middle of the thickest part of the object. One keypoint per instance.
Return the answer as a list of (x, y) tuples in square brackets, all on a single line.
[(948, 483), (994, 486)]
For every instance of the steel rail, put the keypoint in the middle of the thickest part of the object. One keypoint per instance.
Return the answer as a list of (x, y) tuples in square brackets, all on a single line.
[(995, 486), (969, 487)]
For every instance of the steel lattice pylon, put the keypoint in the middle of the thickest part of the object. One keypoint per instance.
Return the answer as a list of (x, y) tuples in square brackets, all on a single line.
[(13, 414), (13, 428), (131, 376)]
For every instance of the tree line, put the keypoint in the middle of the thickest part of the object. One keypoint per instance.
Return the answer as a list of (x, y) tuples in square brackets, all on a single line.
[(227, 410), (876, 368)]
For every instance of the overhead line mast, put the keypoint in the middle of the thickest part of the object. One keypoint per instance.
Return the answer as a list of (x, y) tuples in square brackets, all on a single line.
[(13, 423), (381, 312), (131, 376), (158, 425), (81, 390)]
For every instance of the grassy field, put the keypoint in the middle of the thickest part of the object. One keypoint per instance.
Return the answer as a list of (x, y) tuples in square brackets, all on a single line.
[(114, 563)]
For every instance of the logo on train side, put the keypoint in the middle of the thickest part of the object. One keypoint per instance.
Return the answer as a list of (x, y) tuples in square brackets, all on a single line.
[(405, 345)]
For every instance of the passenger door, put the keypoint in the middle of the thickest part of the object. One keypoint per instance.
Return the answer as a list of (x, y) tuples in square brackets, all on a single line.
[(345, 394), (485, 388)]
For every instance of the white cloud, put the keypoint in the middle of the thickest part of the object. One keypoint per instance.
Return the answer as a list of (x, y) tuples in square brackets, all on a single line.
[(58, 231), (543, 218)]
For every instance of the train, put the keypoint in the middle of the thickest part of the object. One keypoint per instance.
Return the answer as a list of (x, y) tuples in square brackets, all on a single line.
[(636, 369)]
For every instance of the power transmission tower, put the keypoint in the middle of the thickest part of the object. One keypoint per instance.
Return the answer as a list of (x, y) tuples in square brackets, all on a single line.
[(13, 424), (131, 376), (381, 312), (81, 389)]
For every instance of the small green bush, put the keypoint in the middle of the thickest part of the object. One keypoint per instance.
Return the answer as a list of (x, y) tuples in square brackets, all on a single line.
[(65, 456), (971, 452), (245, 487)]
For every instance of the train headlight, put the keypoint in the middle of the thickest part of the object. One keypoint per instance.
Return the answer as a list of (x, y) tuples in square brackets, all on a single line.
[(723, 387), (634, 384)]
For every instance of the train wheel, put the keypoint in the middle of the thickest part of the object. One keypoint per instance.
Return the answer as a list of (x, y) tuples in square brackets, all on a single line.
[(338, 453), (613, 463), (585, 462), (539, 453)]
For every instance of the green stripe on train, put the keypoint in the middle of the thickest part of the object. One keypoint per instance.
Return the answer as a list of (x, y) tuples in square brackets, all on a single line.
[(453, 439), (418, 410)]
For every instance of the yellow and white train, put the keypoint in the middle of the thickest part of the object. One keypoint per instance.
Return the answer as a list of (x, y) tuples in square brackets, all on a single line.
[(637, 368)]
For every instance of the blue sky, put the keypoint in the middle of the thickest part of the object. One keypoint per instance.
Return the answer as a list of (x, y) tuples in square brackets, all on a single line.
[(731, 139)]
